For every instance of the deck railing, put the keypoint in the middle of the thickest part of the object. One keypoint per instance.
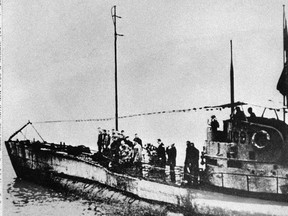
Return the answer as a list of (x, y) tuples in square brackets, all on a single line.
[(248, 178)]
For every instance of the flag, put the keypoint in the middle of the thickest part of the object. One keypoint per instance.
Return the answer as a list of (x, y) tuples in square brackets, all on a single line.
[(282, 85)]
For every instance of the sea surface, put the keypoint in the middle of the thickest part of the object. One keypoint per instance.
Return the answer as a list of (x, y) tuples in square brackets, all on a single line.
[(22, 198)]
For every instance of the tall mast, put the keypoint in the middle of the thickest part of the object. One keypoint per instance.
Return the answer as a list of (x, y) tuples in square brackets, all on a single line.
[(232, 81), (284, 57), (114, 18), (283, 35), (285, 98)]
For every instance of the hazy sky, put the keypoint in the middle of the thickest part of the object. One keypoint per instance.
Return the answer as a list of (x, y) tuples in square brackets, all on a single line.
[(58, 59)]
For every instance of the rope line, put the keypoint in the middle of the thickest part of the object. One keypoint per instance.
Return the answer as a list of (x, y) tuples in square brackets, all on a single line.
[(23, 135), (37, 133), (207, 108)]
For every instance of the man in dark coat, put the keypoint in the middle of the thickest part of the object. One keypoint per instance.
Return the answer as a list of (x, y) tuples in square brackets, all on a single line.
[(100, 140), (239, 115), (137, 139), (191, 163), (172, 153), (214, 127), (105, 139), (252, 116), (188, 162), (161, 153)]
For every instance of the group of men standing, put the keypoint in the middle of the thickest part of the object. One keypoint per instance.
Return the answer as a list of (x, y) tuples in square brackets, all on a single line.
[(118, 143), (171, 154), (236, 118), (119, 146), (191, 164), (104, 140)]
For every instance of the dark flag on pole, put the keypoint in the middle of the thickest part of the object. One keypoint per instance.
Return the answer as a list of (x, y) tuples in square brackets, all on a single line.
[(285, 37), (282, 85)]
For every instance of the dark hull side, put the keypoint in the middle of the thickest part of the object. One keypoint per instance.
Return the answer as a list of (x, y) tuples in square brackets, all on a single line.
[(54, 169), (93, 190)]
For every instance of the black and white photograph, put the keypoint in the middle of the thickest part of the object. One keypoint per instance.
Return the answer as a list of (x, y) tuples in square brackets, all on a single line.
[(163, 107)]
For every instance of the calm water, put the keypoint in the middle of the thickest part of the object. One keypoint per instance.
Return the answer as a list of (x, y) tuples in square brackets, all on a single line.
[(27, 199)]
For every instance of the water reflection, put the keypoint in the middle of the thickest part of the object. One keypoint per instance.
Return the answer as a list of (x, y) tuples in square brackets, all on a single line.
[(27, 192), (22, 198), (25, 198)]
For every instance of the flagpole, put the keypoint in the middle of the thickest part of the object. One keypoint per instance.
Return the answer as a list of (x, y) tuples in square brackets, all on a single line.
[(232, 81), (285, 49), (114, 18)]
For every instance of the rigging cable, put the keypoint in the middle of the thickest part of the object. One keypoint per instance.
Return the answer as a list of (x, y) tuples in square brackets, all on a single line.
[(37, 133), (23, 135), (207, 108)]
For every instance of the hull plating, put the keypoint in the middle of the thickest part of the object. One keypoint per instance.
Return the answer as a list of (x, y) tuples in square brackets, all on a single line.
[(45, 166)]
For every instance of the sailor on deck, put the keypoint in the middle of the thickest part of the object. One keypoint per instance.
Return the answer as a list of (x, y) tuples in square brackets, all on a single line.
[(161, 153), (191, 163), (105, 139), (137, 139), (100, 140), (214, 128), (137, 154), (252, 114), (239, 115), (171, 153)]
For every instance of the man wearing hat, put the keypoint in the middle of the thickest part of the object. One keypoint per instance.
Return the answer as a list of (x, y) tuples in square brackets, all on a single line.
[(137, 139), (252, 114), (161, 154), (191, 164), (100, 140), (171, 153), (214, 127)]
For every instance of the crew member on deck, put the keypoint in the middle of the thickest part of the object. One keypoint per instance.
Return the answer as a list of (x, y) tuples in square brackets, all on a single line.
[(106, 139), (122, 135), (214, 128), (239, 116), (100, 140), (161, 153), (188, 163), (114, 136), (171, 153), (137, 154), (191, 163), (252, 114), (195, 164), (137, 139)]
